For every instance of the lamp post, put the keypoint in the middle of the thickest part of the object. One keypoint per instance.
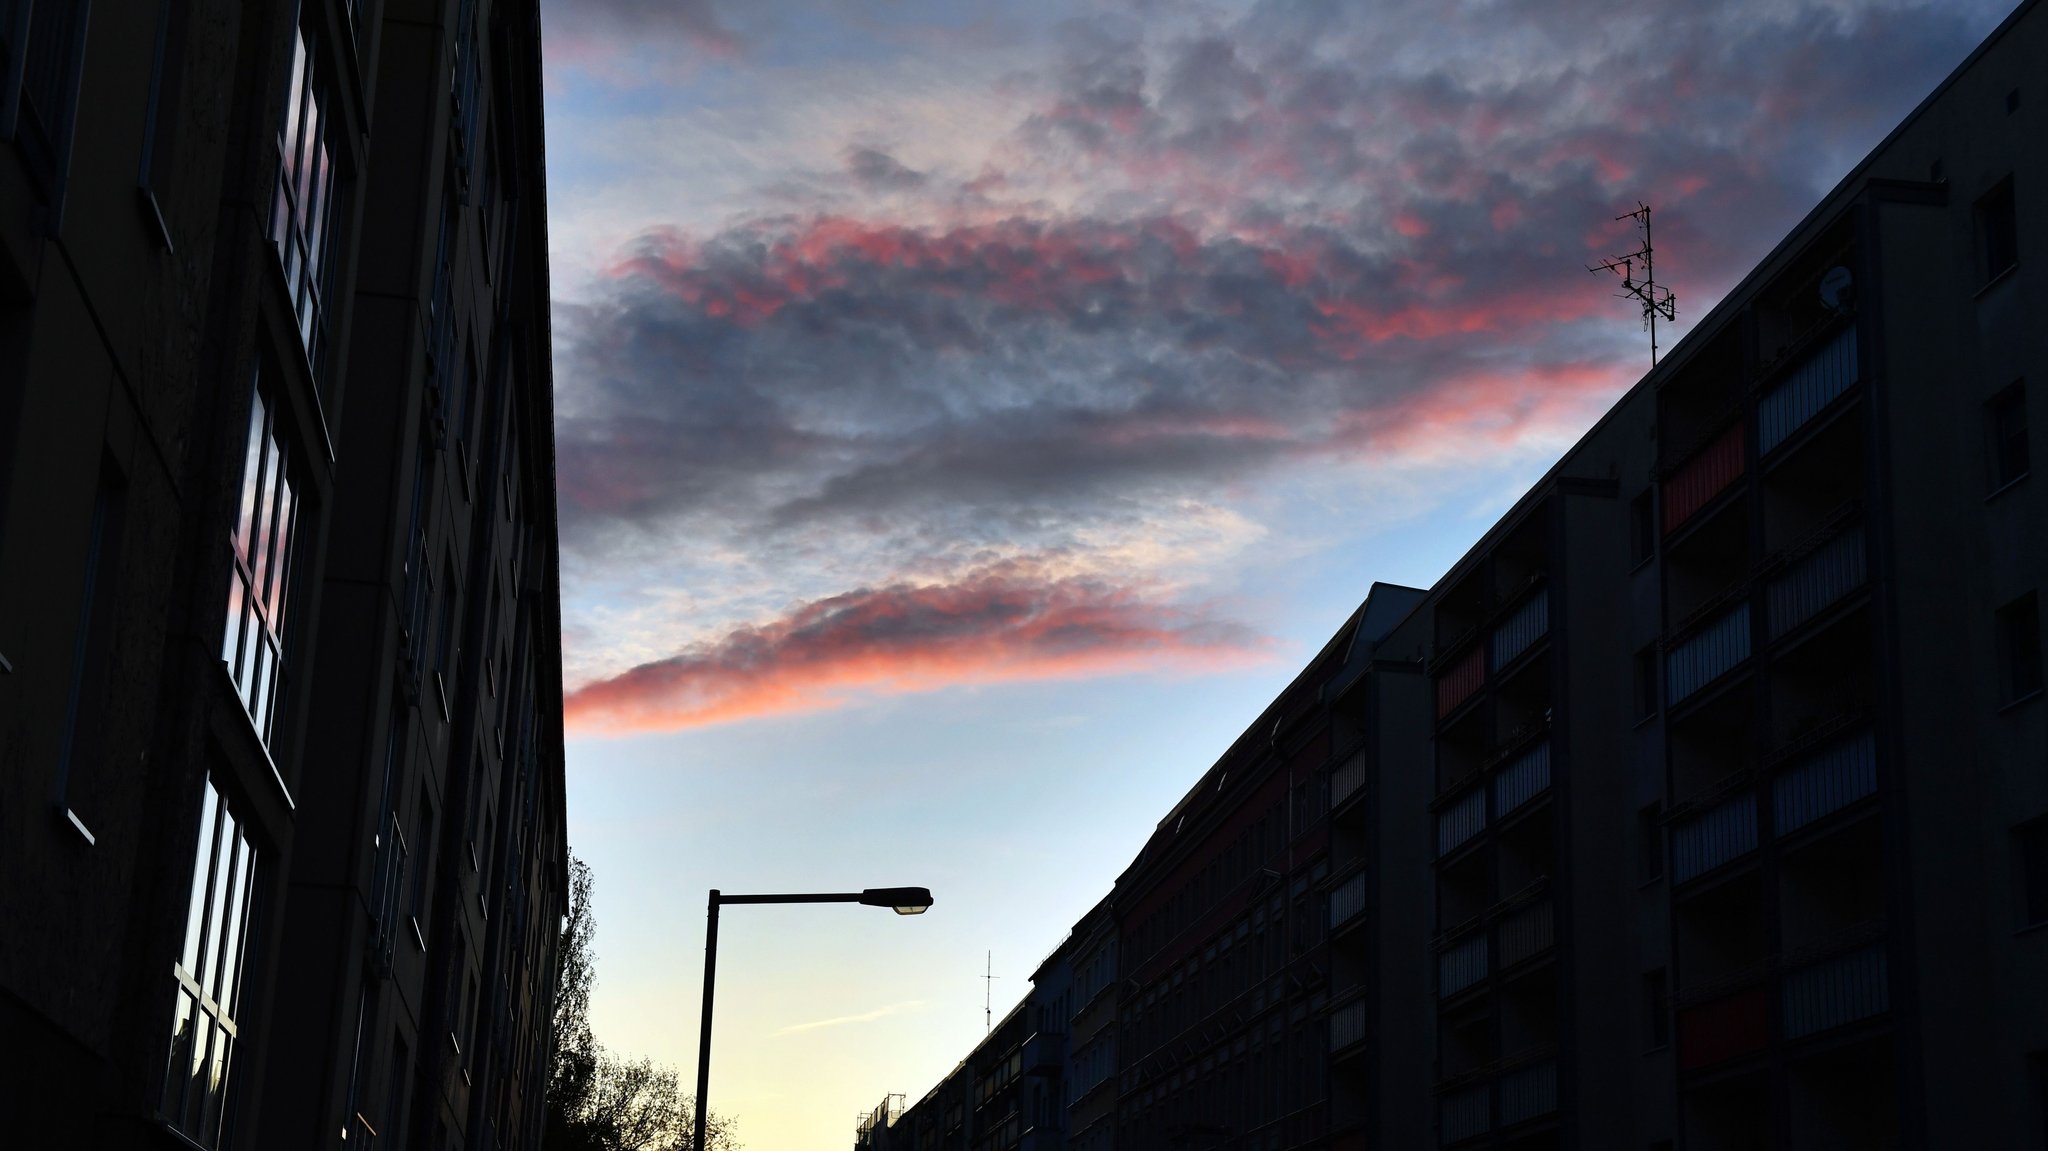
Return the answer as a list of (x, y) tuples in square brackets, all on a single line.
[(903, 900)]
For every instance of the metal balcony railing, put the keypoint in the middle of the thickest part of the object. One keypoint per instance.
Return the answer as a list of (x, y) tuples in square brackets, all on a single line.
[(1461, 821), (1719, 835), (1528, 1092), (1457, 684), (1465, 1114), (1461, 966), (1815, 581), (1347, 899), (1707, 654), (1349, 777), (1835, 992), (1347, 1025), (1826, 373), (1524, 626), (1522, 780), (1825, 782), (1527, 932), (1702, 476)]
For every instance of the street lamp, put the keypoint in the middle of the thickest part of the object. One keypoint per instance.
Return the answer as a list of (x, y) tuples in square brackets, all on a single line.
[(901, 900)]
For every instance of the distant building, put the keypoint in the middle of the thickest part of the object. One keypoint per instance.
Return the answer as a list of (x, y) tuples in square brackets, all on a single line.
[(281, 832), (1703, 804)]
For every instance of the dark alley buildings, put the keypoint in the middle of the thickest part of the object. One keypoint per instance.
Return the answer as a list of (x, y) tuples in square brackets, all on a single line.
[(1703, 804), (281, 824)]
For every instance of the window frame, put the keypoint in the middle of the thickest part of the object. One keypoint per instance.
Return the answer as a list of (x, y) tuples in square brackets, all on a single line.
[(214, 990), (2018, 634), (1995, 216), (261, 562), (2007, 446)]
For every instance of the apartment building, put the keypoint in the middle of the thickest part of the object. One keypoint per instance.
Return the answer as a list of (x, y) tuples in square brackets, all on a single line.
[(1703, 804), (228, 808), (1002, 1097)]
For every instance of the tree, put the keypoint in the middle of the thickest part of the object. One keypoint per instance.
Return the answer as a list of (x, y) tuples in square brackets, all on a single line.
[(597, 1101)]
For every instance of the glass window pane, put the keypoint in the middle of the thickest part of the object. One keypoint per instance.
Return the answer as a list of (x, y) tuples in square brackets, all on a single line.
[(251, 476), (264, 531), (196, 905), (208, 1127), (231, 640), (216, 903), (292, 93), (287, 517), (183, 1040), (230, 944)]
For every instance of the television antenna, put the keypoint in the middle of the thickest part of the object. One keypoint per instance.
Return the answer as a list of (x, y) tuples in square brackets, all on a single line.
[(1656, 301), (988, 979)]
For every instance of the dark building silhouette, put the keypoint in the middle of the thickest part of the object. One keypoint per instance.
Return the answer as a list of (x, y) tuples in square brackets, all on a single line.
[(281, 840), (1703, 804)]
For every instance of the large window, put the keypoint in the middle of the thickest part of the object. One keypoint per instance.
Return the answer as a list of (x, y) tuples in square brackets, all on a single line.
[(208, 970), (254, 645), (300, 212)]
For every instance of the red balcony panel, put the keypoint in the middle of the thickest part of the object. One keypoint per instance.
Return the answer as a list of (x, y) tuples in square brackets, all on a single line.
[(1723, 1029), (1456, 686), (1702, 477)]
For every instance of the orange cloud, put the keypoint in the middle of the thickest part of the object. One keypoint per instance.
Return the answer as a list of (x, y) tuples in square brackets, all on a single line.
[(997, 625)]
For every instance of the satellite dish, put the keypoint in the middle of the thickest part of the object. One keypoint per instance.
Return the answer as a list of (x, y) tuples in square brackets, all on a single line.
[(1837, 288)]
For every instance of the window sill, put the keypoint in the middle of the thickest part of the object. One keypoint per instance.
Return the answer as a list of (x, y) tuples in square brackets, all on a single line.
[(70, 819), (2008, 486), (1993, 282), (6, 668), (419, 938), (153, 215)]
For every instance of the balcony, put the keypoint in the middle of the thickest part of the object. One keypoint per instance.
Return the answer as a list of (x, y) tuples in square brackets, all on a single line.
[(1349, 777), (1518, 633), (1460, 822), (1718, 836), (1528, 1093), (1815, 581), (1461, 965), (1526, 932), (1522, 780), (1835, 992), (1707, 654), (1465, 1114), (1704, 474), (1347, 1025), (1043, 1052), (1347, 900), (1723, 1029), (1825, 782), (1457, 684), (1824, 375)]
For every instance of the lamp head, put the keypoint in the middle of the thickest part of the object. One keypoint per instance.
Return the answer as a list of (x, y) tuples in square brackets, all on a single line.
[(903, 900)]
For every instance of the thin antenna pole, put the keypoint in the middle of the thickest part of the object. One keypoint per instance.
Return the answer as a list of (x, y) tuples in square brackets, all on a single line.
[(988, 980), (1655, 301)]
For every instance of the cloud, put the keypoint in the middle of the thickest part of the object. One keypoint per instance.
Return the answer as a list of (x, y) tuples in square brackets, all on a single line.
[(586, 32), (843, 1020), (874, 170), (1005, 624)]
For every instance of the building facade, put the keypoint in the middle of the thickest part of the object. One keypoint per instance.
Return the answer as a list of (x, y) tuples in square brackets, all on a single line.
[(1703, 804), (280, 879)]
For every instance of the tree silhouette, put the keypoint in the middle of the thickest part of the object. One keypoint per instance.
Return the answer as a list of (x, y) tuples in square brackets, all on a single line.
[(597, 1101)]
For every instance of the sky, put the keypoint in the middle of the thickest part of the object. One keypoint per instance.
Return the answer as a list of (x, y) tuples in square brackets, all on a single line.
[(970, 415)]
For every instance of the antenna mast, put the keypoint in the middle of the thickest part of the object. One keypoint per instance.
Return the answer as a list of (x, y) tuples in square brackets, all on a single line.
[(988, 978), (1656, 301)]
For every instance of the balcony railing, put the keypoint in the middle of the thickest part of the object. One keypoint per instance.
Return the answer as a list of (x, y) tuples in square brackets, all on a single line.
[(1801, 395), (1716, 836), (1465, 1114), (1348, 899), (1461, 965), (1349, 777), (1522, 780), (1457, 684), (1347, 1025), (1703, 475), (1520, 631), (1825, 782), (1815, 581), (1528, 1092), (1724, 1028), (1707, 654), (1835, 992), (1526, 932), (1461, 821)]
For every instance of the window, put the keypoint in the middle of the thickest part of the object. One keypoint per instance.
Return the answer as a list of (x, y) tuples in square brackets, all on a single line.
[(2019, 648), (1654, 996), (160, 119), (1645, 682), (1650, 843), (52, 48), (1998, 233), (423, 828), (2033, 851), (1642, 528), (301, 210), (262, 537), (208, 971), (2005, 422)]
